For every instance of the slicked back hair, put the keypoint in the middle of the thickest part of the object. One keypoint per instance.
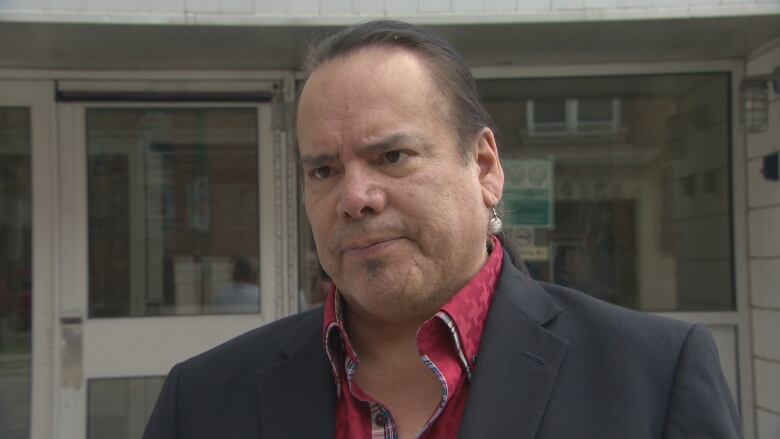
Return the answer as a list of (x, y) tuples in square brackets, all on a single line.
[(447, 68)]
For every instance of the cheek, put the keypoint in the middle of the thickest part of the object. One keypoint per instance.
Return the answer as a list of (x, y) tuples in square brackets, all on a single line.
[(434, 217), (458, 210)]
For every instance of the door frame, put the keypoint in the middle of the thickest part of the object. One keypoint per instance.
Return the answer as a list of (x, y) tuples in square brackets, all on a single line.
[(169, 339), (37, 96)]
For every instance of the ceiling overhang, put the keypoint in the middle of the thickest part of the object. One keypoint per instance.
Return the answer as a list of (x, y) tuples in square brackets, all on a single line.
[(73, 46)]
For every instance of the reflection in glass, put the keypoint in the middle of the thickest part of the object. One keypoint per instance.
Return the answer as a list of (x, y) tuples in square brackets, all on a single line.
[(173, 211), (640, 195), (118, 408), (314, 282), (550, 110), (15, 273), (242, 293), (594, 110)]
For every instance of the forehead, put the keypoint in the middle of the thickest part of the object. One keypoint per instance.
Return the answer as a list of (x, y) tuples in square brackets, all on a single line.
[(378, 81), (384, 65)]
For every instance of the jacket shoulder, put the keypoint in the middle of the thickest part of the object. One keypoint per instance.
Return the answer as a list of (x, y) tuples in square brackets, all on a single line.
[(216, 393), (585, 315), (264, 345), (659, 376)]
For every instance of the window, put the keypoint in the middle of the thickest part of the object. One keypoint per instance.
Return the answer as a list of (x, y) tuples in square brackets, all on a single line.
[(15, 272), (557, 117), (636, 209), (173, 211)]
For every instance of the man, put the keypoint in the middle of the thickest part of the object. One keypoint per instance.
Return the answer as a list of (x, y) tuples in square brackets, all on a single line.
[(242, 295), (432, 331)]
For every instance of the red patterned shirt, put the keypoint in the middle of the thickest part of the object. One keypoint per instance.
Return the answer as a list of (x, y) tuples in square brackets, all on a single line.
[(448, 343)]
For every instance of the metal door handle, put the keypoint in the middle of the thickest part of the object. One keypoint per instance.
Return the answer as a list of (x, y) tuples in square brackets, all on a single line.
[(72, 352)]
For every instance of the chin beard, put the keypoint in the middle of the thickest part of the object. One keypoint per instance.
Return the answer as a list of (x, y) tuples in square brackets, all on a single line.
[(391, 300), (373, 268)]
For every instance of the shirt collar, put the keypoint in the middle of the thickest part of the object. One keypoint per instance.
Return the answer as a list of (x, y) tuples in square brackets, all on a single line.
[(465, 313), (468, 308)]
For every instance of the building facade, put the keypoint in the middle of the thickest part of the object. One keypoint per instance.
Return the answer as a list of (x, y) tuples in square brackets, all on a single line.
[(150, 204)]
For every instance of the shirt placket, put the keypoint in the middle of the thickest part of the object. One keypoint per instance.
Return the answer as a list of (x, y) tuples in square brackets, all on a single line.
[(430, 355), (382, 424)]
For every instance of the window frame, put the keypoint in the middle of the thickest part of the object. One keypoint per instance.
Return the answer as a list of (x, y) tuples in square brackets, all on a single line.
[(737, 320)]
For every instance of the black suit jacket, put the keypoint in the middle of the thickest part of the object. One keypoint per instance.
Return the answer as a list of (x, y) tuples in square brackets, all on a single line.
[(554, 363)]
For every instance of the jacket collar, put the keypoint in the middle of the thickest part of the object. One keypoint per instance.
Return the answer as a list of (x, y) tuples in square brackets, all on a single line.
[(296, 394), (517, 364)]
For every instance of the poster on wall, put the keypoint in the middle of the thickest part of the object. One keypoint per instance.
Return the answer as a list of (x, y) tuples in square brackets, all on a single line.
[(528, 193)]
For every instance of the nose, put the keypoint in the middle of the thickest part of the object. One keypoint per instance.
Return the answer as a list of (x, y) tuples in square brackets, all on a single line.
[(361, 195)]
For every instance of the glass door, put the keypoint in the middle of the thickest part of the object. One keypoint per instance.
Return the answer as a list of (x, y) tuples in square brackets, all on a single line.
[(26, 156), (169, 248), (15, 271)]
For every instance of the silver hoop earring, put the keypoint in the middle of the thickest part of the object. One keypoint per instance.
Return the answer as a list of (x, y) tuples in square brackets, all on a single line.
[(494, 224)]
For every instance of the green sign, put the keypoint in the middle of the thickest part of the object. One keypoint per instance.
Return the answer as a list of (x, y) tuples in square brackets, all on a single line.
[(528, 193)]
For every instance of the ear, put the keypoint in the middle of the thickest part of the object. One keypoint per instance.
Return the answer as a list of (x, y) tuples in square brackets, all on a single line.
[(491, 175)]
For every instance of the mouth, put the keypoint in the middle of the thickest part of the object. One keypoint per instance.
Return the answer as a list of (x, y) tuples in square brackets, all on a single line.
[(368, 248)]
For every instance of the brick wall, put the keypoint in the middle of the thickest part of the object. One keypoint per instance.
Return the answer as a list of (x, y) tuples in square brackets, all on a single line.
[(346, 11), (764, 254)]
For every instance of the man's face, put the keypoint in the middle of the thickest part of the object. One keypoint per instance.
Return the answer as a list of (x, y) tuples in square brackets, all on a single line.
[(399, 217)]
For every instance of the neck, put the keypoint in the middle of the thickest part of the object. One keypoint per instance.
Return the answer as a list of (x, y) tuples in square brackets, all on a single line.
[(377, 340), (393, 340)]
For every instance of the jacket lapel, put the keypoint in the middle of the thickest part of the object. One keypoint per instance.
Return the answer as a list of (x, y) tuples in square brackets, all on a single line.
[(297, 394), (517, 363)]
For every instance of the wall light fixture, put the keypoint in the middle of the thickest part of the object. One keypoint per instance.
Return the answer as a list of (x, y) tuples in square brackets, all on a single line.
[(754, 100)]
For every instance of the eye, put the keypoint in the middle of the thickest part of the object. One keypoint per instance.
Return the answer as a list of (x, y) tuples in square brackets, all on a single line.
[(321, 172), (394, 157)]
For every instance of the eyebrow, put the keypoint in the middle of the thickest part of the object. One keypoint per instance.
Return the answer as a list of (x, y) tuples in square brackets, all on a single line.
[(389, 143), (316, 161), (393, 141)]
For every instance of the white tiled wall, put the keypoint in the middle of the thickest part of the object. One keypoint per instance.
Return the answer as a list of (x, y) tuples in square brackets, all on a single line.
[(168, 6), (766, 328), (312, 10), (764, 281), (234, 6), (401, 7), (368, 7), (768, 389), (335, 7), (768, 424), (764, 242), (492, 5), (763, 229)]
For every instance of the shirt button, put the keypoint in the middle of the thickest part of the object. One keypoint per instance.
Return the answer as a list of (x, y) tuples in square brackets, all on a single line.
[(380, 419)]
